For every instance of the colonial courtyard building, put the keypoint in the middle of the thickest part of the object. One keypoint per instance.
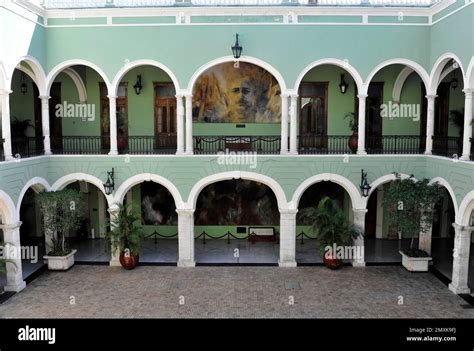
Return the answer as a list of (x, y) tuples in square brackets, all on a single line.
[(222, 118)]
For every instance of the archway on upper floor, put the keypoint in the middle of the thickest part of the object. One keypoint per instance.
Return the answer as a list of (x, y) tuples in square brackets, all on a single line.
[(326, 108), (395, 114), (307, 250), (146, 108), (236, 106), (447, 82), (236, 222)]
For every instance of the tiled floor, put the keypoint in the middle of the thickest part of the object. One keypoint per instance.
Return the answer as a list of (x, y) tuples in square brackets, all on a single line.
[(213, 292)]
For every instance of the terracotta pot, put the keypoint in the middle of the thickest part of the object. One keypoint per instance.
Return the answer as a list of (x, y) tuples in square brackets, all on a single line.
[(332, 263), (353, 141), (128, 261)]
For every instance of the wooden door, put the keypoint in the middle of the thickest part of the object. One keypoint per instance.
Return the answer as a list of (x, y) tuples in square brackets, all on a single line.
[(122, 117), (313, 102), (165, 116)]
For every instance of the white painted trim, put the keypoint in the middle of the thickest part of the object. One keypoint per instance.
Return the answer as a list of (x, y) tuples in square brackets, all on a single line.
[(147, 177), (28, 72), (400, 82), (356, 198), (78, 82), (62, 182), (143, 62), (398, 61), (443, 182), (470, 74), (383, 180), (248, 59), (65, 64), (3, 78), (335, 62), (38, 184), (257, 177), (35, 65), (8, 212), (465, 209), (438, 69)]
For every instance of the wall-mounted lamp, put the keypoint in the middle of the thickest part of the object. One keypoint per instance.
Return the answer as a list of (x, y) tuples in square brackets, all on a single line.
[(23, 86), (364, 184), (343, 85), (138, 85), (454, 81), (237, 49), (109, 185)]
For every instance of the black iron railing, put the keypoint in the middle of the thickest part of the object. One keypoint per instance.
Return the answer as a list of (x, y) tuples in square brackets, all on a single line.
[(209, 145), (80, 145), (447, 146), (324, 144), (27, 147), (150, 145), (395, 144)]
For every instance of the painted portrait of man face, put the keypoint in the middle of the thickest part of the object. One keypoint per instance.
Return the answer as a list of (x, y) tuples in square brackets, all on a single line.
[(242, 100)]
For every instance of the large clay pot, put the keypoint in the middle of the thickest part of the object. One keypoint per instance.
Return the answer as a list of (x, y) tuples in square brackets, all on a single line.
[(330, 262), (353, 142), (128, 261)]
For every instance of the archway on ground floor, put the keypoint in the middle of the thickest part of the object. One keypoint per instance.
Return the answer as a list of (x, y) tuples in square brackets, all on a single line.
[(236, 222), (307, 250), (8, 216), (466, 214)]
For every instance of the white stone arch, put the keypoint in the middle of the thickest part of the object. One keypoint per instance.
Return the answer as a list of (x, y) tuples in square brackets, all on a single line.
[(248, 59), (256, 177), (147, 177), (3, 78), (351, 189), (400, 82), (145, 62), (470, 75), (8, 212), (438, 69), (397, 61), (444, 183), (384, 180), (334, 62), (76, 62), (38, 185), (466, 209), (78, 82), (35, 68), (62, 182)]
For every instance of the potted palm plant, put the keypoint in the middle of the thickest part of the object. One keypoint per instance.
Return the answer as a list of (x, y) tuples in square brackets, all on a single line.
[(354, 126), (411, 207), (62, 214), (332, 230), (125, 236)]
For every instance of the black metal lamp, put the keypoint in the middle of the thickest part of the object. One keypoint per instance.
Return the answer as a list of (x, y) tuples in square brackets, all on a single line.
[(343, 85), (454, 81), (138, 85), (23, 86), (364, 184), (236, 48), (109, 185)]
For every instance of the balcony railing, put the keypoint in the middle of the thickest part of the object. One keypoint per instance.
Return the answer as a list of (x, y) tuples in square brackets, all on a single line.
[(27, 147), (210, 145), (149, 145), (80, 145), (447, 146), (324, 144), (395, 144)]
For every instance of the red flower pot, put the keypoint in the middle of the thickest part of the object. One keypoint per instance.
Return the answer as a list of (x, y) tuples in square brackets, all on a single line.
[(353, 142), (128, 261), (330, 262)]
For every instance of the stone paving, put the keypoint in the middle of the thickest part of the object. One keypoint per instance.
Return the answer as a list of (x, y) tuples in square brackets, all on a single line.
[(235, 292)]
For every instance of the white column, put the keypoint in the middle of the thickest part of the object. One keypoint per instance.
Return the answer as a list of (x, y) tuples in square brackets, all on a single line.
[(45, 124), (430, 123), (379, 218), (179, 125), (359, 223), (287, 238), (11, 236), (186, 238), (113, 124), (6, 133), (361, 124), (466, 143), (462, 245), (293, 124), (284, 124), (114, 211), (189, 124)]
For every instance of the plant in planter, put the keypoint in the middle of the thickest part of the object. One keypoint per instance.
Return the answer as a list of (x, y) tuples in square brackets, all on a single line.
[(125, 237), (354, 126), (332, 230), (411, 207), (62, 214)]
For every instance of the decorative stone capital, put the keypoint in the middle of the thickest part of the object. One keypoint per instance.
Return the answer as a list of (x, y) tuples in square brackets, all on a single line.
[(185, 211), (431, 96), (113, 209), (112, 97), (44, 97), (469, 92), (463, 230), (5, 92), (11, 226), (362, 96)]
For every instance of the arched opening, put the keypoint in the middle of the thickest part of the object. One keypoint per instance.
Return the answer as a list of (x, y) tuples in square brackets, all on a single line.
[(326, 109), (146, 109), (307, 251), (236, 109), (89, 238), (236, 222), (396, 126), (7, 217), (449, 110)]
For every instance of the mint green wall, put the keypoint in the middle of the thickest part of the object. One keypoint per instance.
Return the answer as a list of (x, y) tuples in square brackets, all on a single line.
[(22, 105)]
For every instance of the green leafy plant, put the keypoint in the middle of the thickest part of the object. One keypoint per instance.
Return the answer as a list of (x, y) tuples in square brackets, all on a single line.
[(62, 213), (125, 233), (353, 121), (20, 127), (457, 117), (330, 225), (411, 207)]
